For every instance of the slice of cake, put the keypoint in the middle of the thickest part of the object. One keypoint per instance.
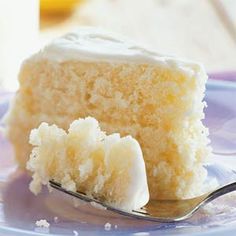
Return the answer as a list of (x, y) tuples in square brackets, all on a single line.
[(156, 99), (108, 168)]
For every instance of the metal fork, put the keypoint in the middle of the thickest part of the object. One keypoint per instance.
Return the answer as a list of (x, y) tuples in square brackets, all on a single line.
[(159, 210)]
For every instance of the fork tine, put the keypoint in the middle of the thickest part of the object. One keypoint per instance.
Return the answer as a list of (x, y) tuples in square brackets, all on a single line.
[(138, 214), (77, 194)]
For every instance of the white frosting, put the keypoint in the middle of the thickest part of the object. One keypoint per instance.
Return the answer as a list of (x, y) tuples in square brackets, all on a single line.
[(91, 44)]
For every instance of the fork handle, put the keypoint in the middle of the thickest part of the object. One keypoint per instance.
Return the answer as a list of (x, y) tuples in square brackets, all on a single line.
[(221, 191)]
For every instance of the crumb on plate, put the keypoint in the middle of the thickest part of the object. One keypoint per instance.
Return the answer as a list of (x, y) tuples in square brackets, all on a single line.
[(107, 226), (42, 223)]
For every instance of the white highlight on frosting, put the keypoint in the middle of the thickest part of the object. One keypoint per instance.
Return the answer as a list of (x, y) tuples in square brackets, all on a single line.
[(91, 44)]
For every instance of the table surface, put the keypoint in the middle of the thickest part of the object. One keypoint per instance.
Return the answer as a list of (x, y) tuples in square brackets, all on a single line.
[(204, 31)]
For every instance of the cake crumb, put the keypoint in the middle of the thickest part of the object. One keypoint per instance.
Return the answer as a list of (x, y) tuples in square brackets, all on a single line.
[(42, 223), (107, 226), (116, 226), (75, 233), (98, 206), (55, 219)]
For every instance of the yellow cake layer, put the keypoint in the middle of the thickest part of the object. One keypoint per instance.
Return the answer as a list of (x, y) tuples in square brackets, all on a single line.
[(159, 105)]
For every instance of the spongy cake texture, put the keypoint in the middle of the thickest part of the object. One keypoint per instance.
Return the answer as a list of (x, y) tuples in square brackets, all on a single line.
[(110, 168), (156, 99)]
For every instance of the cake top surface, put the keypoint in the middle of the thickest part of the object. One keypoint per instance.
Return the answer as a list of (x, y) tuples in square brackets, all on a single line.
[(90, 44)]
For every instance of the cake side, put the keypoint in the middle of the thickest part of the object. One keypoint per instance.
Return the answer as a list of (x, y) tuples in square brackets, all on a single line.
[(159, 105)]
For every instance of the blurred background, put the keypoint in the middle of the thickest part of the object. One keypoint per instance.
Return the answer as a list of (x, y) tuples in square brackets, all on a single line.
[(201, 30)]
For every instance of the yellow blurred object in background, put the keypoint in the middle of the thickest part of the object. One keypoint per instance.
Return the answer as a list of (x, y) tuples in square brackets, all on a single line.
[(58, 6)]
